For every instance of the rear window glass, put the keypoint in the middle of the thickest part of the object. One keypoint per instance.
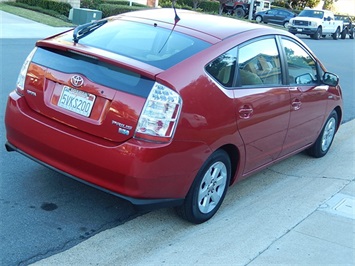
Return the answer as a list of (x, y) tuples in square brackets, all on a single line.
[(150, 44)]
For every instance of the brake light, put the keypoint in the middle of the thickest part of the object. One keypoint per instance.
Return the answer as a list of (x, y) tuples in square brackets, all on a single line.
[(160, 115), (20, 85)]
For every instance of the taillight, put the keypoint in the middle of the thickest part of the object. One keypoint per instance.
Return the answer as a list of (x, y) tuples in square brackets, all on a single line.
[(160, 115), (20, 85)]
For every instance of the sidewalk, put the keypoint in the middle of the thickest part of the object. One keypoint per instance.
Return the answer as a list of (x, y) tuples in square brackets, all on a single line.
[(300, 212), (290, 214)]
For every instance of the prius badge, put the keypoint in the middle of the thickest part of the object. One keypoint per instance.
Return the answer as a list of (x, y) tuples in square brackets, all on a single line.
[(77, 81)]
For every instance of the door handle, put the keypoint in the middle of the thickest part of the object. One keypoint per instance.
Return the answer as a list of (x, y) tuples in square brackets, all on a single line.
[(245, 112), (296, 104)]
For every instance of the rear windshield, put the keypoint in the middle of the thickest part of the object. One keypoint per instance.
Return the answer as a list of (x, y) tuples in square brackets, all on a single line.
[(150, 44)]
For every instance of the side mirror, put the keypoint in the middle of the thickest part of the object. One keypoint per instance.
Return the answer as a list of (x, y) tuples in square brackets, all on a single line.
[(330, 79)]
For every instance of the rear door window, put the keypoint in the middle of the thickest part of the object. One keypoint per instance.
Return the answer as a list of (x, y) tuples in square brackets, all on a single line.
[(259, 64)]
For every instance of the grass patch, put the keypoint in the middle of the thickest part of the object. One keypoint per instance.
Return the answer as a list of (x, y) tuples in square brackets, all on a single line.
[(35, 16)]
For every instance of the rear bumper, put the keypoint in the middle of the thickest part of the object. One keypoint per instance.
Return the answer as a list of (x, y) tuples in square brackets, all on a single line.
[(144, 203), (140, 172)]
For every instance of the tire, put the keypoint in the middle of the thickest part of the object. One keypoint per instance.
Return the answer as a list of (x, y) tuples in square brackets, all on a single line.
[(208, 189), (317, 34), (325, 138), (352, 33), (286, 24), (344, 33), (336, 34), (258, 19), (239, 12)]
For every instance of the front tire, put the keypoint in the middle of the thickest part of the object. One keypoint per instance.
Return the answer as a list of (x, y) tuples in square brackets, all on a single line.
[(325, 138), (317, 34), (344, 33), (336, 34), (208, 189)]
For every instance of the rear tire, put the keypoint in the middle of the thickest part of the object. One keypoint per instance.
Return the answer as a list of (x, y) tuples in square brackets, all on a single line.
[(258, 19), (239, 12), (325, 138), (208, 189)]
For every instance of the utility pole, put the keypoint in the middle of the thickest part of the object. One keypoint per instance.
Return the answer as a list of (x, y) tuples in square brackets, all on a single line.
[(251, 9)]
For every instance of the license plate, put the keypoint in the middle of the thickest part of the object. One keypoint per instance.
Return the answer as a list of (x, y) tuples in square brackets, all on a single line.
[(299, 29), (77, 101)]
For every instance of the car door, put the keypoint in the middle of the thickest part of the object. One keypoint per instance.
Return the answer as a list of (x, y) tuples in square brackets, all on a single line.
[(283, 16), (262, 102), (308, 97), (327, 23), (270, 16)]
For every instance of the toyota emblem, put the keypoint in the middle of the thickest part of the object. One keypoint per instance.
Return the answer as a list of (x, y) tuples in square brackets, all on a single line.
[(77, 81)]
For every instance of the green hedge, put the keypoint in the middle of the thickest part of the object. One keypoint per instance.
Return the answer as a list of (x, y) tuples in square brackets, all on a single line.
[(95, 4), (59, 7), (122, 3), (114, 9), (206, 6), (209, 6), (40, 10)]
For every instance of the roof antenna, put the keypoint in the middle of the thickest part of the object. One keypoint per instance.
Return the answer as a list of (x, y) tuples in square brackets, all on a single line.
[(176, 20)]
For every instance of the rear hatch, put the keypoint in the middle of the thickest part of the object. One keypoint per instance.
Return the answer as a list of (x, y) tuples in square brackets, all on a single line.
[(87, 93), (97, 78)]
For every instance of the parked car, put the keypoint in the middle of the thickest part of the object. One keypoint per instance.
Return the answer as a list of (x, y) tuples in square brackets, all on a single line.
[(204, 103), (316, 24), (348, 26), (276, 16)]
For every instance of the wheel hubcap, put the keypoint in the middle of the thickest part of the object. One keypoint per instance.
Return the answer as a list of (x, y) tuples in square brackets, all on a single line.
[(328, 134), (212, 187)]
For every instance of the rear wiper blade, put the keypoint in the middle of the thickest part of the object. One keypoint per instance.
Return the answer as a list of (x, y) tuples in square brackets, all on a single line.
[(85, 29)]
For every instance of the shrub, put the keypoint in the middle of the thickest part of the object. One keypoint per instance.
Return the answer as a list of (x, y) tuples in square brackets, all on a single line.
[(114, 9), (59, 7), (209, 6)]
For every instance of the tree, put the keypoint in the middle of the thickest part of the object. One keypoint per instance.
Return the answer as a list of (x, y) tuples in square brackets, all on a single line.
[(328, 4), (301, 4)]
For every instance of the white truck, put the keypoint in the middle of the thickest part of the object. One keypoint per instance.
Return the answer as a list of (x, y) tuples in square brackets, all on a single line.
[(316, 24)]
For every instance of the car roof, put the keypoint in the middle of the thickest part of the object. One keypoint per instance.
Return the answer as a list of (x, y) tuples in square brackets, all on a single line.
[(214, 25)]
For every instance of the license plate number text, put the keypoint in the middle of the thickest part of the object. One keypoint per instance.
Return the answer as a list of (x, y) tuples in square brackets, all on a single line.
[(76, 101)]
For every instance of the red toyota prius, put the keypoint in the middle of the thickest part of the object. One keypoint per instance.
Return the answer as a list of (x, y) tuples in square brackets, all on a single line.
[(170, 109)]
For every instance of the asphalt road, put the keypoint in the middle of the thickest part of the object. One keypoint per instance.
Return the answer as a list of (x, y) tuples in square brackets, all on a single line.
[(44, 213)]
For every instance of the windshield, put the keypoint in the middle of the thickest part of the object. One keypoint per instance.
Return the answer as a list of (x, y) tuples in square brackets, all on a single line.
[(151, 44), (311, 13)]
